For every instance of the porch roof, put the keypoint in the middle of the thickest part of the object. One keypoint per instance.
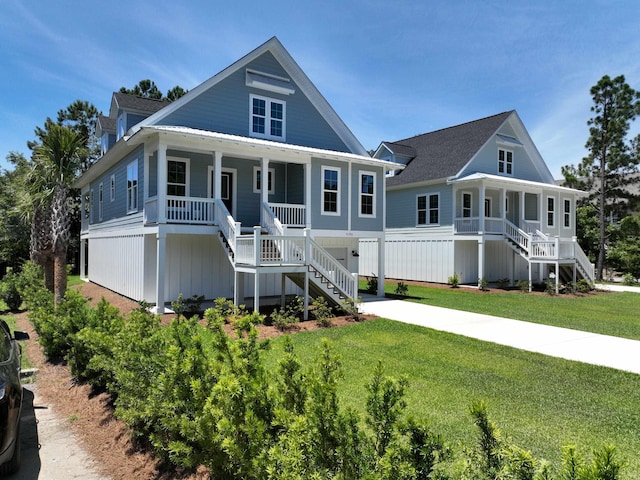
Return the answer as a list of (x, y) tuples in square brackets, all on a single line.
[(513, 183), (253, 147)]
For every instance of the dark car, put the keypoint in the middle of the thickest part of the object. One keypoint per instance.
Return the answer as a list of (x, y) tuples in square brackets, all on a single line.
[(10, 398)]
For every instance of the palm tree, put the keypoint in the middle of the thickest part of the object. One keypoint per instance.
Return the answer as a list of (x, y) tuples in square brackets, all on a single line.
[(56, 163)]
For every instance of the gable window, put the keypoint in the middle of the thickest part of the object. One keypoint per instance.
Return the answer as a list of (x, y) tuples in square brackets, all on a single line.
[(120, 126), (177, 178), (505, 161), (551, 211), (367, 196), (112, 187), (330, 191), (100, 198), (267, 118), (132, 187), (466, 205), (566, 213), (429, 209), (257, 180)]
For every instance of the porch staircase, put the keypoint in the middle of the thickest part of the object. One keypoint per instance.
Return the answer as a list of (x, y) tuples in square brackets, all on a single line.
[(536, 246), (273, 245)]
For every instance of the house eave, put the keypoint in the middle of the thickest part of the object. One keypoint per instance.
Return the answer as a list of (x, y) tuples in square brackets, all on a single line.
[(512, 182)]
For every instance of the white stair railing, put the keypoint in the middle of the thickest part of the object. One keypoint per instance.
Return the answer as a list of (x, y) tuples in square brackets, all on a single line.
[(517, 235), (271, 222), (332, 270), (588, 269), (228, 226)]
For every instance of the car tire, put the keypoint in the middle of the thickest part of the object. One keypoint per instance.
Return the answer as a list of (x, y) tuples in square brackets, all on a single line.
[(13, 465)]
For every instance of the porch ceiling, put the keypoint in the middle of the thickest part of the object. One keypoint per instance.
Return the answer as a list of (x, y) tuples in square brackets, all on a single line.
[(511, 183)]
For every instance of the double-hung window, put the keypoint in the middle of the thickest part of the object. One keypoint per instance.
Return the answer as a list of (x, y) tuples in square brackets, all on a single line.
[(112, 187), (257, 180), (566, 213), (330, 191), (267, 118), (505, 161), (367, 194), (466, 205), (428, 208), (100, 201), (177, 178), (551, 211), (132, 187)]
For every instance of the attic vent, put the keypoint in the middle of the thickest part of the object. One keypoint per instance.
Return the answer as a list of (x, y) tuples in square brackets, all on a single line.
[(268, 82), (508, 141)]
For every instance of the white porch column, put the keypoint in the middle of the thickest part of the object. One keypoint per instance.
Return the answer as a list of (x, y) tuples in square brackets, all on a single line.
[(238, 288), (306, 295), (161, 238), (217, 175), (503, 210), (350, 174), (264, 186), (256, 276), (83, 259), (481, 209), (307, 193), (147, 161), (381, 260), (162, 183), (480, 259)]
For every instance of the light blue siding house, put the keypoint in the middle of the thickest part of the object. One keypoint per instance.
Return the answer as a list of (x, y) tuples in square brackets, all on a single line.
[(477, 200), (249, 186)]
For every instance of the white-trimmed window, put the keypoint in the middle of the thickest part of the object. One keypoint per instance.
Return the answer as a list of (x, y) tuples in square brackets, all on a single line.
[(91, 197), (132, 187), (100, 201), (566, 213), (112, 187), (367, 200), (178, 177), (121, 123), (257, 180), (551, 211), (505, 161), (428, 209), (330, 191), (267, 118), (466, 204)]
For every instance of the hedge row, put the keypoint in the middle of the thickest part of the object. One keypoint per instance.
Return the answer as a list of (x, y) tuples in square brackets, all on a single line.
[(201, 397)]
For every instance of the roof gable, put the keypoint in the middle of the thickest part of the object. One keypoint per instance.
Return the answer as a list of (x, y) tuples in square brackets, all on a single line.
[(276, 80), (445, 152), (135, 104)]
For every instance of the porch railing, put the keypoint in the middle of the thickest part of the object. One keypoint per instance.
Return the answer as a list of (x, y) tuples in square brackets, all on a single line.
[(530, 226), (472, 225), (332, 270), (271, 221), (190, 210), (289, 214), (518, 236), (584, 263)]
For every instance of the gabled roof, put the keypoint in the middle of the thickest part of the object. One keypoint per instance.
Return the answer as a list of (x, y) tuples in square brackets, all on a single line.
[(445, 152), (135, 104), (105, 124), (273, 46)]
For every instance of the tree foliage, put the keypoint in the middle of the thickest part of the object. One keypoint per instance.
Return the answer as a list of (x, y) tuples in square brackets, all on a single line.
[(148, 89), (608, 168)]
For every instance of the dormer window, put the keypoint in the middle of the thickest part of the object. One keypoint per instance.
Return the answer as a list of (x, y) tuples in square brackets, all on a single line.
[(268, 118), (505, 162)]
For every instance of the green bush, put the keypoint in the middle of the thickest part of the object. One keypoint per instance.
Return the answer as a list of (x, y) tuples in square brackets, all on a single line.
[(288, 315), (402, 289), (454, 280), (322, 312), (372, 284), (629, 280), (9, 291)]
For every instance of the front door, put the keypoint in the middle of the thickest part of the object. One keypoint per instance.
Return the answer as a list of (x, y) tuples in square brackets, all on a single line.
[(227, 190)]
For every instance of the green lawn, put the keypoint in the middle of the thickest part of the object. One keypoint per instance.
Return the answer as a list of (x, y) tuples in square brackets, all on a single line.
[(541, 402), (607, 313)]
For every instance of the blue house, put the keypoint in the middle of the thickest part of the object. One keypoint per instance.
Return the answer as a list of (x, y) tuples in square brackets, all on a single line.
[(249, 186), (476, 200)]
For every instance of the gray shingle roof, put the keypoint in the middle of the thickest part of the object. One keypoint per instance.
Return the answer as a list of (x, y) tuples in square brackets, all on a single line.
[(107, 124), (443, 153), (132, 103)]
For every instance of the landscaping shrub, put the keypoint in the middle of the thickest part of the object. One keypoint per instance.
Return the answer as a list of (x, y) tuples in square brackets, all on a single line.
[(629, 280), (9, 291), (454, 280), (402, 289), (322, 312), (288, 315), (372, 284)]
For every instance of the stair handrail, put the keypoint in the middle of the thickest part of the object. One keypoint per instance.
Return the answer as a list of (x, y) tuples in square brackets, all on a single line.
[(228, 226), (325, 264), (517, 235), (273, 225), (584, 262)]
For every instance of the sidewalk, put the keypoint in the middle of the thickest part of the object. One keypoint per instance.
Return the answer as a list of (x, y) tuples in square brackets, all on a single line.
[(604, 350)]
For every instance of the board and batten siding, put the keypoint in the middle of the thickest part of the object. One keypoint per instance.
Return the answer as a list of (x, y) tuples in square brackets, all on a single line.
[(409, 258), (225, 108), (117, 263)]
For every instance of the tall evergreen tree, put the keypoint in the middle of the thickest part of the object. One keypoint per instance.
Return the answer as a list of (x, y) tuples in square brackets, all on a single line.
[(607, 169)]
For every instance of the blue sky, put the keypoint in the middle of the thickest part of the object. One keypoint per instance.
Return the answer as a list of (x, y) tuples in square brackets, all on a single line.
[(391, 69)]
